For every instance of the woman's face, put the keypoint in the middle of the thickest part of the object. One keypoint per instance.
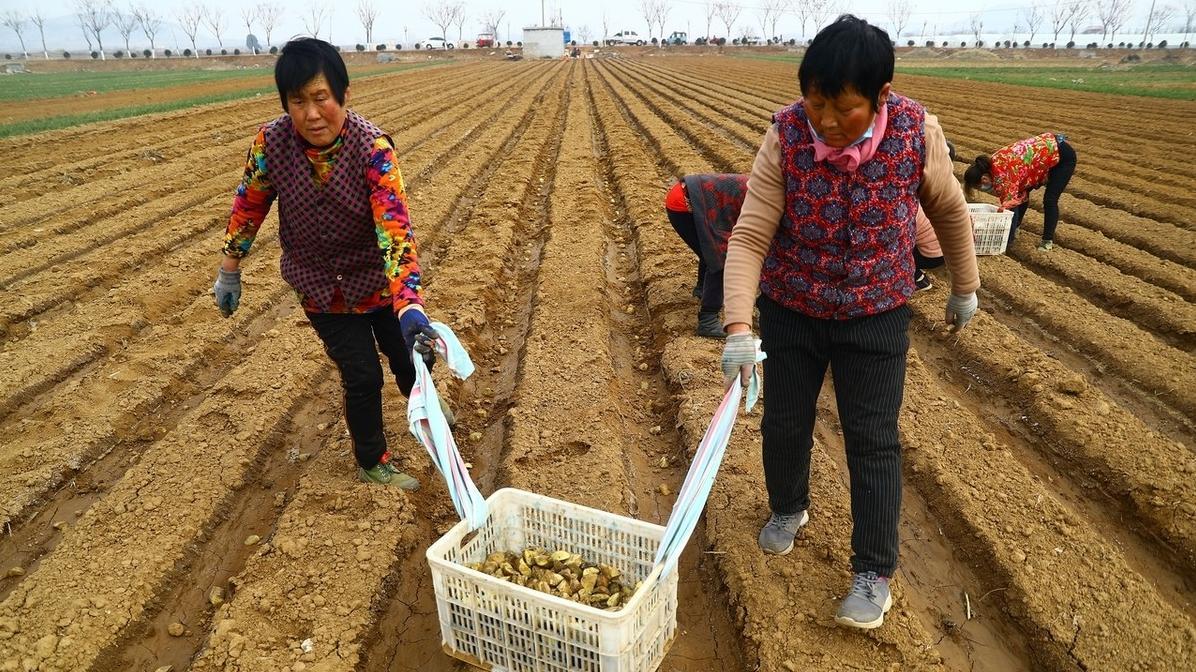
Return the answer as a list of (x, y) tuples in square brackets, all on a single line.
[(843, 119), (315, 112), (986, 183)]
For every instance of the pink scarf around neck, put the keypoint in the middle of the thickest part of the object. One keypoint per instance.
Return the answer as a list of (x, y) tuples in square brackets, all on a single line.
[(848, 159)]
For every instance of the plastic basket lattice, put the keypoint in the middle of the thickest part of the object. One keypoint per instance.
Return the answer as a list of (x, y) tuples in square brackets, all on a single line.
[(498, 625), (990, 229)]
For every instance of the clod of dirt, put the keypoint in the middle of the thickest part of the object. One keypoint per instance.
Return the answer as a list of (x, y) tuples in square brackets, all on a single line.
[(664, 489), (252, 540), (216, 596), (14, 572), (165, 668), (176, 629), (1073, 384)]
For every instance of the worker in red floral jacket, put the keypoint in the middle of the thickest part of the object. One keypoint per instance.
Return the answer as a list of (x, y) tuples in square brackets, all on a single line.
[(1012, 172), (826, 239), (702, 208), (348, 248)]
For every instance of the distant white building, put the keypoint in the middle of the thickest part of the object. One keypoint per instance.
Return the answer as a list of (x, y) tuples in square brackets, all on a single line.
[(540, 42)]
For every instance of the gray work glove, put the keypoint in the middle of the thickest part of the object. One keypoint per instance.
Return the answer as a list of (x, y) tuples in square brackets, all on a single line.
[(739, 358), (227, 291), (960, 310)]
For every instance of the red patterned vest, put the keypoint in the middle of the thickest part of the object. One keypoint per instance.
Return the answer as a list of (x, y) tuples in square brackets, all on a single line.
[(844, 248), (327, 233)]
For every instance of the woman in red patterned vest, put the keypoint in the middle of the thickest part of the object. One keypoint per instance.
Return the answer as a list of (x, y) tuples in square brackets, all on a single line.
[(826, 238), (348, 248)]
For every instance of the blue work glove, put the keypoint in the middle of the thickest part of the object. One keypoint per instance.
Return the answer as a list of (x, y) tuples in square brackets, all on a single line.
[(227, 291), (960, 310), (418, 334), (739, 358)]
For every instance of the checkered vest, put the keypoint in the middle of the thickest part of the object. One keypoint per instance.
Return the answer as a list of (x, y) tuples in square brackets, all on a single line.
[(327, 232), (844, 248)]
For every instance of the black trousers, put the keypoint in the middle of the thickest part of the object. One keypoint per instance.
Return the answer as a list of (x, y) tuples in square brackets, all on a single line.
[(1057, 180), (867, 360), (711, 280), (349, 339), (924, 263)]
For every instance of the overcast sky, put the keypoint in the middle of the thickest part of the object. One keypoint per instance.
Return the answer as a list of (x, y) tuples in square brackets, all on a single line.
[(940, 18)]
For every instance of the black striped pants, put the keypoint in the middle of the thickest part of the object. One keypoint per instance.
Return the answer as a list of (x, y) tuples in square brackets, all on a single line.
[(867, 360)]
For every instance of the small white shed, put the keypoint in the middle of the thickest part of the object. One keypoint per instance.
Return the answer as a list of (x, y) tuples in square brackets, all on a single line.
[(539, 42)]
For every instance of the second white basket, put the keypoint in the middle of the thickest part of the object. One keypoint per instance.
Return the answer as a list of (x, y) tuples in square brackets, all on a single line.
[(990, 229), (502, 626)]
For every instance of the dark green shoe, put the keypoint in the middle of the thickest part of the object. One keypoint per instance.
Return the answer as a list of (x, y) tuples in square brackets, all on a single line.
[(386, 474)]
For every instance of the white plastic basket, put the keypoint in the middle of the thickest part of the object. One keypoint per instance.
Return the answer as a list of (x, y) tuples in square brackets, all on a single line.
[(990, 229), (497, 625)]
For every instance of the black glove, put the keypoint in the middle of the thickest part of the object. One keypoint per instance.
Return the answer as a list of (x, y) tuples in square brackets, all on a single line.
[(419, 334)]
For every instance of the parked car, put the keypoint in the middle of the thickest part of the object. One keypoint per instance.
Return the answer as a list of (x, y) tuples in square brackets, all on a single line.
[(624, 37), (678, 38), (437, 43)]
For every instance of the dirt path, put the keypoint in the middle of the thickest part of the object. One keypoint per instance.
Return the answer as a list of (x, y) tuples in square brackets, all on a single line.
[(153, 451)]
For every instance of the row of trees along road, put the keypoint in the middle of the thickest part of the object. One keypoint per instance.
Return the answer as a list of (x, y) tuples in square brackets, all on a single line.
[(96, 16)]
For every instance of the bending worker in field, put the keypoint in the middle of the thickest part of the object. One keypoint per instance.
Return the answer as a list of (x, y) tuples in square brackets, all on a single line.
[(702, 210), (1012, 172), (348, 248), (826, 238)]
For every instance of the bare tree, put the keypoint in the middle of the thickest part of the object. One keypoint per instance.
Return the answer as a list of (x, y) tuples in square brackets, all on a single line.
[(125, 23), (778, 8), (316, 11), (1155, 18), (648, 11), (248, 16), (821, 12), (189, 19), (899, 13), (150, 24), (82, 21), (1112, 15), (584, 33), (16, 21), (492, 19), (441, 14), (368, 13), (764, 14), (1060, 14), (1080, 12), (95, 17), (663, 8), (269, 13), (1189, 18), (977, 26), (802, 9), (459, 18), (39, 20), (711, 11), (1033, 16), (728, 13), (605, 26), (213, 18)]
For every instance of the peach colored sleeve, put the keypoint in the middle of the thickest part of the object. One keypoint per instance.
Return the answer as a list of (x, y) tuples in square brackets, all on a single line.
[(942, 199), (753, 232)]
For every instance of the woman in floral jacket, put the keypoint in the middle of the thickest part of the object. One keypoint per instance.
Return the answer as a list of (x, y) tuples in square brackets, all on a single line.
[(1012, 172)]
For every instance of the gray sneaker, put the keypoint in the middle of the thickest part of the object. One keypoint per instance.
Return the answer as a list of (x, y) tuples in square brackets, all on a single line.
[(867, 603), (777, 535)]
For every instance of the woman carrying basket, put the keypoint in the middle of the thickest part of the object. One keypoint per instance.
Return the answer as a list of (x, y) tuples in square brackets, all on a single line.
[(826, 236), (1012, 172)]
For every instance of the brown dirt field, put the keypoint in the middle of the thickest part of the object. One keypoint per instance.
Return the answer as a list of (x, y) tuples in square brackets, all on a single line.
[(1050, 448)]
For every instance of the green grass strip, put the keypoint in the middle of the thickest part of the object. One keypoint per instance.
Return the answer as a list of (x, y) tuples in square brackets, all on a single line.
[(1175, 82), (34, 86), (67, 121)]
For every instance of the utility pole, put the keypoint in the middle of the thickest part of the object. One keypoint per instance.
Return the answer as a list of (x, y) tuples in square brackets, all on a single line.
[(542, 13)]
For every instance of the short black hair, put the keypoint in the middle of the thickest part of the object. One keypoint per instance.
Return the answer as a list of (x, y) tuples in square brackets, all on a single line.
[(848, 54), (301, 60)]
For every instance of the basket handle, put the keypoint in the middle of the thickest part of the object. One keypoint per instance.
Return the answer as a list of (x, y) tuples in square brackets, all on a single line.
[(431, 429), (695, 490)]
